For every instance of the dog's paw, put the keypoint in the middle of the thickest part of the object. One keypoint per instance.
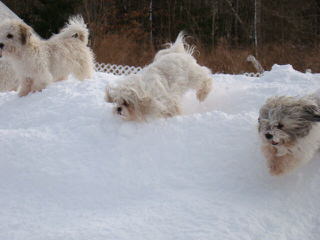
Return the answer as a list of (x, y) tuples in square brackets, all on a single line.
[(203, 93), (275, 170), (23, 93)]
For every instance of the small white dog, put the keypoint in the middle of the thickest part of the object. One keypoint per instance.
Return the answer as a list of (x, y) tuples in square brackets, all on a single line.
[(290, 131), (157, 90), (39, 62)]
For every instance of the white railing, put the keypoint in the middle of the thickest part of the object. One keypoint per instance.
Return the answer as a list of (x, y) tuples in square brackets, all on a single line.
[(252, 74), (116, 69), (126, 70)]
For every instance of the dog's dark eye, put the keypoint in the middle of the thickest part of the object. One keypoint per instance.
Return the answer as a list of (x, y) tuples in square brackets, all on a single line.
[(9, 36), (125, 104), (280, 126)]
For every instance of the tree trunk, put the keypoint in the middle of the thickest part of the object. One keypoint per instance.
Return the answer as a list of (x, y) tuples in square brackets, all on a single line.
[(257, 26), (213, 20), (151, 23)]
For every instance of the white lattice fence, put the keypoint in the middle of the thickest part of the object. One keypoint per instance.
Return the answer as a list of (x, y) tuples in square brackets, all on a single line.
[(252, 74), (116, 69), (126, 70)]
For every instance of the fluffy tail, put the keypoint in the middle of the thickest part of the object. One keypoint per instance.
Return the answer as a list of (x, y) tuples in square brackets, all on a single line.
[(76, 28), (179, 46)]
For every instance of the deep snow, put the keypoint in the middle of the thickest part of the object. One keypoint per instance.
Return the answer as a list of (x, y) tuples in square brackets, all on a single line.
[(71, 170), (5, 12)]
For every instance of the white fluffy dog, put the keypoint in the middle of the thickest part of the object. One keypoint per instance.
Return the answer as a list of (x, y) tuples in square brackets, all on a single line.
[(157, 90), (39, 62), (290, 131)]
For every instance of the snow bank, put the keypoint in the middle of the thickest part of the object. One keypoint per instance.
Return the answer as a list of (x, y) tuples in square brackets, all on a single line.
[(70, 170), (5, 12)]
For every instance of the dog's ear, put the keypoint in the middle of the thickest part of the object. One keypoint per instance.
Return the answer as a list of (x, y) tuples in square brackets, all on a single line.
[(108, 97), (311, 113), (25, 33)]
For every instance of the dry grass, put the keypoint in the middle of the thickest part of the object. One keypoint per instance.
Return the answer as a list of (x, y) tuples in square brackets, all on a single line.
[(225, 59), (301, 58), (125, 49)]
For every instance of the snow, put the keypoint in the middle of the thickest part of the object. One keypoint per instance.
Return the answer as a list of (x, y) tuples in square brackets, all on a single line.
[(71, 170), (5, 12)]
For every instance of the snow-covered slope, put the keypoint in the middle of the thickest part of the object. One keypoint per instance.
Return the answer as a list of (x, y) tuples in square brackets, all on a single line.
[(5, 12), (70, 170)]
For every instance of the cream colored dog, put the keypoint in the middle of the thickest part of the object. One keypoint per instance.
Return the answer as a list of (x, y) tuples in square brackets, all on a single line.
[(157, 90), (39, 62)]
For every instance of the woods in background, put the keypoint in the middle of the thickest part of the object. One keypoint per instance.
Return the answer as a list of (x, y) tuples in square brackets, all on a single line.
[(225, 31)]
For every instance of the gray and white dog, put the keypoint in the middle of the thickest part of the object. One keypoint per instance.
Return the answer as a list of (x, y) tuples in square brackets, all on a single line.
[(290, 131)]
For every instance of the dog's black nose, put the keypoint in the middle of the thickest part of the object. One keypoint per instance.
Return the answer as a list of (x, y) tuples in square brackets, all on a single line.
[(268, 136), (1, 45), (119, 109)]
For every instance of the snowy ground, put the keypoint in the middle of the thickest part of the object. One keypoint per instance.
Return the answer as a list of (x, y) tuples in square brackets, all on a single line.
[(70, 170), (5, 12)]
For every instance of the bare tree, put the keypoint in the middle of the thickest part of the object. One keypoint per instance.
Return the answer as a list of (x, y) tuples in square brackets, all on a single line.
[(214, 12), (257, 25), (151, 23)]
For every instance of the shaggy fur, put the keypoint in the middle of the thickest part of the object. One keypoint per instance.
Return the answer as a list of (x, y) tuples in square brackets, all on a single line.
[(157, 90), (8, 78), (290, 131), (39, 62)]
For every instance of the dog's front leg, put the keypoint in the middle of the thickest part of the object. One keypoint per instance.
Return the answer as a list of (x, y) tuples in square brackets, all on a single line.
[(278, 165), (204, 89), (25, 87), (172, 109), (41, 82)]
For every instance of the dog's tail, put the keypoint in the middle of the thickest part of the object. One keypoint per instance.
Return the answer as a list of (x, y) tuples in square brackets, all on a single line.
[(179, 46), (76, 28)]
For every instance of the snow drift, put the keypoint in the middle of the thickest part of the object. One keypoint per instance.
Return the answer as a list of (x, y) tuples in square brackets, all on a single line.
[(70, 170)]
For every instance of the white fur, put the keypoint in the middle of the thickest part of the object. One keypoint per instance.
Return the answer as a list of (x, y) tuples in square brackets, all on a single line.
[(76, 28), (306, 147), (39, 62), (157, 90), (8, 79)]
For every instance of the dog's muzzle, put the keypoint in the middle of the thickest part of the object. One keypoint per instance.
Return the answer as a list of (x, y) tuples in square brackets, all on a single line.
[(270, 138)]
